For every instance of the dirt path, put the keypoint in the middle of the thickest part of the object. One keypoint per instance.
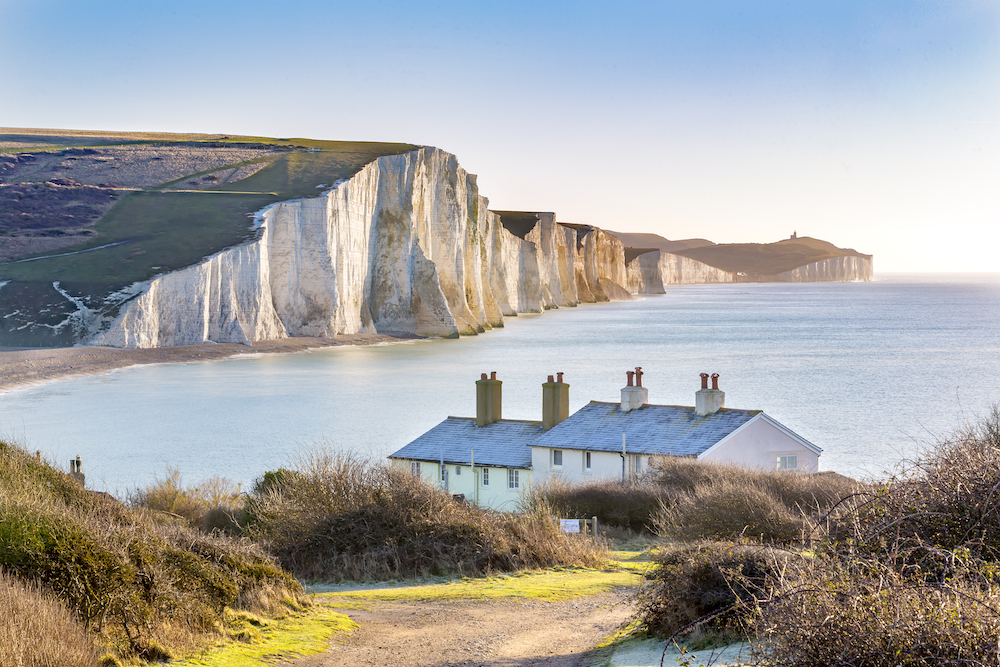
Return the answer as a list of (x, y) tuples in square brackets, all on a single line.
[(475, 634)]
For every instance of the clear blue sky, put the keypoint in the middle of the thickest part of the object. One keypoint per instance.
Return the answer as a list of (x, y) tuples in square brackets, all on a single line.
[(871, 124)]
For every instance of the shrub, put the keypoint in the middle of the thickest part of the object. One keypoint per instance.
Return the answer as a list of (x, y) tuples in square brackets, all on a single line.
[(948, 500), (146, 586), (339, 517), (864, 613), (38, 631), (618, 505), (194, 503), (708, 589), (729, 508)]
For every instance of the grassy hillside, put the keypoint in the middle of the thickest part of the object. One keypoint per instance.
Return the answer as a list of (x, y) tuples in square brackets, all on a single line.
[(176, 199), (767, 258), (139, 583)]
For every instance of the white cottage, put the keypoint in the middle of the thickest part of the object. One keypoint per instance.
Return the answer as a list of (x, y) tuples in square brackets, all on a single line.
[(490, 460)]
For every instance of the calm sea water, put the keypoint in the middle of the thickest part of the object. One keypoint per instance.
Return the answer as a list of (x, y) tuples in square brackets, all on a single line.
[(870, 372)]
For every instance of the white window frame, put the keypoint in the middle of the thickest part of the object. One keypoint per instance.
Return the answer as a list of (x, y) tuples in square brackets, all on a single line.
[(444, 474), (458, 470), (486, 476), (586, 462), (513, 478), (557, 453), (415, 468), (785, 459)]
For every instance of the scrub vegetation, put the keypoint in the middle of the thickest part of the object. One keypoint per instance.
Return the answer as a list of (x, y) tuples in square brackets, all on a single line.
[(338, 517), (137, 583), (905, 572)]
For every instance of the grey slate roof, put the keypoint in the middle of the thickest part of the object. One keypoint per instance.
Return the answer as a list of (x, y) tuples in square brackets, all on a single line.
[(651, 429), (503, 444)]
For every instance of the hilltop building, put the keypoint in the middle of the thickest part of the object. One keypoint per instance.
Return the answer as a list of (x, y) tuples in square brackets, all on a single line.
[(490, 460)]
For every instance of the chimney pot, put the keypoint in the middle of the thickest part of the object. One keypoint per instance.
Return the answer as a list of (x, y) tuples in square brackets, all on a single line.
[(551, 379), (493, 375), (482, 376), (638, 376), (559, 377), (715, 380), (704, 380), (630, 374), (555, 402)]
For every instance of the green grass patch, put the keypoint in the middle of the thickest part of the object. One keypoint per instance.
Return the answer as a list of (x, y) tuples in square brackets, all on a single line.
[(274, 641), (554, 584)]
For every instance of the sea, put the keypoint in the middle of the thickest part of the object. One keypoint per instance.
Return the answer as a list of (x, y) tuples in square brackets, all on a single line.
[(873, 373)]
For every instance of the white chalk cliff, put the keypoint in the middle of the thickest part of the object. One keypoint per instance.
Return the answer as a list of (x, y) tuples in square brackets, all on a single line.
[(651, 271), (407, 244), (849, 268)]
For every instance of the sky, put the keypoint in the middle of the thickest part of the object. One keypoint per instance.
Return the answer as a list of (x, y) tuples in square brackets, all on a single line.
[(871, 124)]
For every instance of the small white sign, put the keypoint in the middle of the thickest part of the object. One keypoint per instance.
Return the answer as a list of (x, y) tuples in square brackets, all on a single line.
[(569, 525)]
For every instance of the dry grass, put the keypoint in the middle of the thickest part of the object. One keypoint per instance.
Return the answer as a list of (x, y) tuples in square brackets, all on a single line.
[(715, 501), (199, 505), (338, 517), (145, 585), (38, 631)]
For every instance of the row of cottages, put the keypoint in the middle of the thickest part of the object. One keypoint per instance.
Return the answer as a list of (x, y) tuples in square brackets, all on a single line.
[(490, 461)]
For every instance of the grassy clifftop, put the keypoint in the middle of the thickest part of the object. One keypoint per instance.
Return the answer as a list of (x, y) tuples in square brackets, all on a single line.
[(97, 211)]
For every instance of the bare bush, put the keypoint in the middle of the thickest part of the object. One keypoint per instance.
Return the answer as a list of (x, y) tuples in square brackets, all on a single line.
[(340, 517), (865, 613)]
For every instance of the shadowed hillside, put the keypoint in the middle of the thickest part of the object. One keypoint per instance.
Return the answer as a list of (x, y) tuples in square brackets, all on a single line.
[(767, 258)]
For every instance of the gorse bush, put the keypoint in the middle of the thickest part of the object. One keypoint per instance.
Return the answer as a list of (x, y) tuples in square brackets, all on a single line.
[(339, 517), (146, 586), (37, 631)]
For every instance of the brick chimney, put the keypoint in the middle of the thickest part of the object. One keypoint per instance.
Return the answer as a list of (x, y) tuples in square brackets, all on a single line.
[(488, 399), (709, 401), (634, 395), (555, 401)]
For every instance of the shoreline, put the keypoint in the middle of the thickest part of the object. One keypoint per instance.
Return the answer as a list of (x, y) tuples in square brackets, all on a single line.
[(22, 368)]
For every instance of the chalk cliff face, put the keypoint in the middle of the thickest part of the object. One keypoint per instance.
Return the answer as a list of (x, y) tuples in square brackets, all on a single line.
[(836, 269), (407, 244), (650, 272)]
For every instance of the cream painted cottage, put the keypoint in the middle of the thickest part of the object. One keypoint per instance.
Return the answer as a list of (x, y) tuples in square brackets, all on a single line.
[(490, 460)]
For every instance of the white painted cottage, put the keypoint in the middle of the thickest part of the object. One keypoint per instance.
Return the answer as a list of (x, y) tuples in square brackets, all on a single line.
[(490, 460)]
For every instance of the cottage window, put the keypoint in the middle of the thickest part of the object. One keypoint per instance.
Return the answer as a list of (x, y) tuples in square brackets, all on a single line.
[(458, 470), (444, 473), (557, 458), (586, 461), (788, 462), (486, 476), (513, 480), (415, 468)]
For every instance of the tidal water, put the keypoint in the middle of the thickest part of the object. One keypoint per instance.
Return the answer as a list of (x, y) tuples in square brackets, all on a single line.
[(870, 372)]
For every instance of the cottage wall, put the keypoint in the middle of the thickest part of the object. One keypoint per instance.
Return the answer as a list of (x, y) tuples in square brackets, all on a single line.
[(469, 482), (603, 465), (758, 445)]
